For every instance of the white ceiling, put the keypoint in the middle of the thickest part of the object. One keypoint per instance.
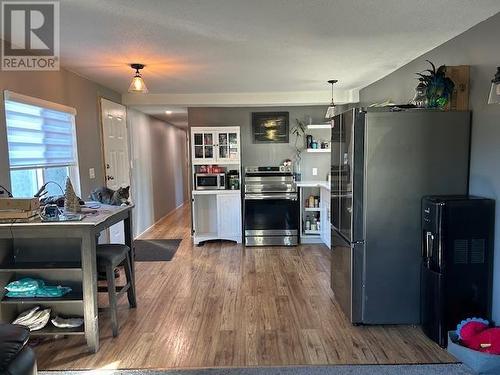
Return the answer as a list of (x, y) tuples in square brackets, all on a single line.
[(255, 46)]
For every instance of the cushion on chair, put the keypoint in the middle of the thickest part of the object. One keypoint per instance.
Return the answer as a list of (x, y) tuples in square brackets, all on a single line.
[(12, 341), (111, 254)]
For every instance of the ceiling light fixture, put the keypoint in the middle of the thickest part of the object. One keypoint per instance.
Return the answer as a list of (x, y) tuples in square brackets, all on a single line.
[(168, 112), (495, 89), (330, 112), (137, 85)]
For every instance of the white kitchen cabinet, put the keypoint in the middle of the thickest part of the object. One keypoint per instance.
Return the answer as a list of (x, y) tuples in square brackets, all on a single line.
[(215, 145), (216, 216), (229, 217), (203, 146), (216, 213)]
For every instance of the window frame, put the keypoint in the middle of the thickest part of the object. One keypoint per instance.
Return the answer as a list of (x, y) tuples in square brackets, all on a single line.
[(40, 172)]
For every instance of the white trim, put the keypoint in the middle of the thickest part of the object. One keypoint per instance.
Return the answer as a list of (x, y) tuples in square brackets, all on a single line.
[(14, 96), (257, 99)]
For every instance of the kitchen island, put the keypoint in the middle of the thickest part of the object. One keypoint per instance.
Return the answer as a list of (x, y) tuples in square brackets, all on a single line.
[(60, 253), (322, 190)]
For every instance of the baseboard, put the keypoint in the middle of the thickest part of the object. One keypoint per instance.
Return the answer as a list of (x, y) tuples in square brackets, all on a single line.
[(160, 219)]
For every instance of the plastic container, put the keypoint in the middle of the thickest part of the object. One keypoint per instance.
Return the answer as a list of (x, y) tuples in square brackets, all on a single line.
[(480, 363)]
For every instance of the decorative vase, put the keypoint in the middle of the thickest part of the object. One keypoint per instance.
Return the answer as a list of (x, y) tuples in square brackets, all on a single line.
[(438, 87), (436, 97), (420, 98)]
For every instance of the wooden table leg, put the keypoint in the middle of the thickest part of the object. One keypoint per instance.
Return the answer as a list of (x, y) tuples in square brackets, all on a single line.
[(129, 241), (129, 238), (89, 276)]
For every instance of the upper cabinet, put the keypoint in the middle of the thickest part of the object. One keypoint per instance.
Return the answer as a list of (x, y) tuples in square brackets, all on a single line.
[(215, 145)]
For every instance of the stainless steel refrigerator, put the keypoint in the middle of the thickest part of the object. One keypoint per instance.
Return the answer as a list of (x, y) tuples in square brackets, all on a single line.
[(383, 163)]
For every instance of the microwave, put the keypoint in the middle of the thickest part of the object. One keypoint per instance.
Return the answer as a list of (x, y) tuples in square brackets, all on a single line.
[(210, 181)]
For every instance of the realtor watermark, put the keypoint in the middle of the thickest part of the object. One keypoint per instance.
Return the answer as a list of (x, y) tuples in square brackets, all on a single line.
[(30, 35)]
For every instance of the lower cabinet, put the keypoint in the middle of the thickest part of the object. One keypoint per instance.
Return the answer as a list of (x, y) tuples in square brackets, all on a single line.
[(217, 216)]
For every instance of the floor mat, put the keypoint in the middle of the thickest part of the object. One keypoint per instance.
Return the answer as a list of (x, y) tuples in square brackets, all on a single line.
[(155, 250), (440, 369)]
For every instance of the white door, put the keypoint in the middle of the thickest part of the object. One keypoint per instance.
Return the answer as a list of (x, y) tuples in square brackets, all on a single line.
[(229, 216), (116, 156)]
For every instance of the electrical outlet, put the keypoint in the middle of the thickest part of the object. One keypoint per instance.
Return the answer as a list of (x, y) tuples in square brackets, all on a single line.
[(315, 171), (91, 173)]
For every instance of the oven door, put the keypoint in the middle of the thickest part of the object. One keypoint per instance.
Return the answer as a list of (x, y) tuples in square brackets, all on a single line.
[(271, 219)]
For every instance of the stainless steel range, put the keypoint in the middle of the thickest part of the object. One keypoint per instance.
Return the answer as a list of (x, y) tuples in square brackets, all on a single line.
[(271, 210)]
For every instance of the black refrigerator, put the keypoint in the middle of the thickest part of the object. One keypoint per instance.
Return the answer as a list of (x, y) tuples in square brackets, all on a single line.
[(383, 163), (457, 262)]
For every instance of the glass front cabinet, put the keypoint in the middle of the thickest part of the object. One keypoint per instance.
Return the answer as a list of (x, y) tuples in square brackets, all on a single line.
[(221, 146)]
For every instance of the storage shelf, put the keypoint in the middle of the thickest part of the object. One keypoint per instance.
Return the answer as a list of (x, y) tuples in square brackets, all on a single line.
[(318, 150), (72, 297), (40, 266), (314, 209), (312, 232), (51, 330), (319, 126)]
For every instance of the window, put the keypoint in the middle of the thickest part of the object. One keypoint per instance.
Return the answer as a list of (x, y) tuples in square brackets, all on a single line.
[(42, 145)]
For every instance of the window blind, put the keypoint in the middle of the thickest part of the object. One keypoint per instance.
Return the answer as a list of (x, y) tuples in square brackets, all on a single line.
[(39, 137)]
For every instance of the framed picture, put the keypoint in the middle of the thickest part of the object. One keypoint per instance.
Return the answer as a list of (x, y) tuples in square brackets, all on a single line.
[(270, 127)]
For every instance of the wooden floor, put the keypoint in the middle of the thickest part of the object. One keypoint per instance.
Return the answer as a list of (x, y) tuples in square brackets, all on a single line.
[(225, 305)]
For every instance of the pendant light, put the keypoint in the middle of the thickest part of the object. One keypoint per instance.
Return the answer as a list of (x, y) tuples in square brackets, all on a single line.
[(137, 85), (495, 89), (330, 112)]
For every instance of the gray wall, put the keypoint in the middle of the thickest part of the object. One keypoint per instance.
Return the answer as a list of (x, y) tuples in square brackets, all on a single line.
[(267, 154), (159, 168), (66, 88), (477, 47)]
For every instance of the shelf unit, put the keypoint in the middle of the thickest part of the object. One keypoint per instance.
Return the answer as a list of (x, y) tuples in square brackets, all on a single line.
[(312, 209), (309, 236), (50, 330), (36, 266), (322, 235), (319, 126), (66, 273), (71, 297), (216, 213), (319, 150), (312, 232)]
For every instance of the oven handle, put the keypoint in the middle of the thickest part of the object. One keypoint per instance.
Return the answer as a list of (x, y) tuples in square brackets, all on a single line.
[(291, 197)]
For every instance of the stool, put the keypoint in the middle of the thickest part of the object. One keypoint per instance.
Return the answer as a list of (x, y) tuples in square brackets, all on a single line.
[(110, 256)]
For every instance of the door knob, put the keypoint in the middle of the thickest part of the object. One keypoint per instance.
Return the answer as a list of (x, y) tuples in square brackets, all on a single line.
[(109, 178)]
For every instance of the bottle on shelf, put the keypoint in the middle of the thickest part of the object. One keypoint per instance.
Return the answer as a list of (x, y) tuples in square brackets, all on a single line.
[(308, 223), (311, 201), (314, 224)]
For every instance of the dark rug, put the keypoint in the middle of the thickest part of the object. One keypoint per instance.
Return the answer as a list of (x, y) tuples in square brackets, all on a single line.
[(155, 250)]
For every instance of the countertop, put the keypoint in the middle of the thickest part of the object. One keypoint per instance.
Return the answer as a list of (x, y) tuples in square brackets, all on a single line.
[(312, 183), (93, 218), (216, 192)]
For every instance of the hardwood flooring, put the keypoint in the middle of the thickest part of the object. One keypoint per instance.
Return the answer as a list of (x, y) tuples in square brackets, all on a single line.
[(222, 304)]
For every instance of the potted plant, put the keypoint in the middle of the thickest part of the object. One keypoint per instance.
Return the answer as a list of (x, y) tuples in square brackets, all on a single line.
[(298, 131), (438, 87)]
